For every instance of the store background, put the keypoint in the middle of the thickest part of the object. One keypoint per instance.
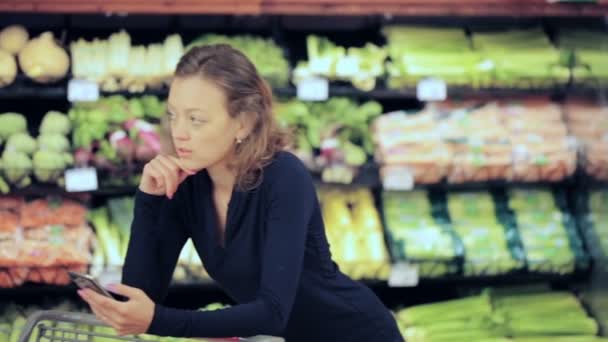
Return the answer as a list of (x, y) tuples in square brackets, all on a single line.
[(515, 200)]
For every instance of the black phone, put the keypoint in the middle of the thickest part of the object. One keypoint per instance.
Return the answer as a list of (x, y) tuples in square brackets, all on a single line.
[(85, 281)]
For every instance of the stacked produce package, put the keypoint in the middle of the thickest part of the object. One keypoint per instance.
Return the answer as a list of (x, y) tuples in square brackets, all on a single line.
[(587, 51), (550, 240), (478, 144), (41, 240), (355, 232), (41, 58), (45, 157), (510, 141), (490, 246), (360, 66), (115, 64), (410, 144), (589, 123), (264, 53), (115, 134), (419, 52), (596, 219), (338, 129), (520, 58), (418, 236), (529, 316)]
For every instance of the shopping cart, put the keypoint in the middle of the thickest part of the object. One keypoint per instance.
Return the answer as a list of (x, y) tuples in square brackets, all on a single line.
[(40, 326)]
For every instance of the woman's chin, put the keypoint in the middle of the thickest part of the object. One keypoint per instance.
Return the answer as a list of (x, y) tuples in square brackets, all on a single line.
[(193, 165)]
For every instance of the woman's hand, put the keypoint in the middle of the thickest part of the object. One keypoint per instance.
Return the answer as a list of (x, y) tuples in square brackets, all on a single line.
[(127, 318), (162, 175)]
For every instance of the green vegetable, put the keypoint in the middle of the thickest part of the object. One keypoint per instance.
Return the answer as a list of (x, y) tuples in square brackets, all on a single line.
[(53, 142), (55, 123), (17, 166), (153, 107), (4, 187), (136, 109), (16, 328), (11, 123), (21, 142), (445, 311), (121, 211), (49, 165), (359, 65), (109, 238), (265, 54)]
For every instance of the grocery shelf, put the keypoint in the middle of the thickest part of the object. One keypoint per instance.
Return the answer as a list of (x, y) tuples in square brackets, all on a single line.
[(55, 190), (25, 89), (496, 184), (210, 285), (315, 7), (367, 176)]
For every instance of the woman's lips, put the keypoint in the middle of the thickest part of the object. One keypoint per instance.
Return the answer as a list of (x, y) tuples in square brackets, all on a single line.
[(182, 152)]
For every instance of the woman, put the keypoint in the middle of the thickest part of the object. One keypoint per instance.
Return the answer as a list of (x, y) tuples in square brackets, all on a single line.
[(252, 213)]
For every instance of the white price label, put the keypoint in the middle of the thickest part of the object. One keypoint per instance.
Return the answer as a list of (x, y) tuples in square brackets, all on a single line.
[(81, 179), (400, 179), (82, 91), (403, 274), (432, 89), (313, 89)]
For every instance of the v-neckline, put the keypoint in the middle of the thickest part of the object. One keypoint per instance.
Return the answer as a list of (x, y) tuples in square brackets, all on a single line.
[(221, 243)]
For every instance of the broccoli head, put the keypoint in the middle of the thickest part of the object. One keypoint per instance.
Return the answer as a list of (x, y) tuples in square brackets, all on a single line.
[(53, 142), (21, 142), (55, 122), (11, 123), (17, 165), (48, 165)]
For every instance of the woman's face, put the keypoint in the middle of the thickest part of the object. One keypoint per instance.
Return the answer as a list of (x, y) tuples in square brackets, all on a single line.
[(203, 132)]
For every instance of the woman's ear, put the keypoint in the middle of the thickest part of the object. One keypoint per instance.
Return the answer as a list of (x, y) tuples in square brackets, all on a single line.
[(246, 124)]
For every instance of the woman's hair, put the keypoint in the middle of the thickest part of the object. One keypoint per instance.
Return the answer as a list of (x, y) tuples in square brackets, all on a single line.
[(246, 94)]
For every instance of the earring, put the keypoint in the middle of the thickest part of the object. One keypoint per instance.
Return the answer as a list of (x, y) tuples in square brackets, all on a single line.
[(238, 140)]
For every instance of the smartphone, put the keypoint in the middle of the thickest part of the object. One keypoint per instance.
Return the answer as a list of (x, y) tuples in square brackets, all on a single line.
[(85, 281)]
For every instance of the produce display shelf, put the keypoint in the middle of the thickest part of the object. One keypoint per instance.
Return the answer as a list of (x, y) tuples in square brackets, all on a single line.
[(25, 89), (210, 285), (28, 90), (316, 7), (367, 177), (498, 184), (51, 189)]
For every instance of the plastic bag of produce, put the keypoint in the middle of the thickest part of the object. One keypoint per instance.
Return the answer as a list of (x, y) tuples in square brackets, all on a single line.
[(547, 231), (491, 246), (416, 237)]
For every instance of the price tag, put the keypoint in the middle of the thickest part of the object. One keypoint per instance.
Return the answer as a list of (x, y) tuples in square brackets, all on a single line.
[(432, 89), (81, 179), (403, 274), (313, 89), (399, 179), (82, 91)]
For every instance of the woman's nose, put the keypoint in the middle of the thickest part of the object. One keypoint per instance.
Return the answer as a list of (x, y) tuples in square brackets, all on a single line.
[(180, 130)]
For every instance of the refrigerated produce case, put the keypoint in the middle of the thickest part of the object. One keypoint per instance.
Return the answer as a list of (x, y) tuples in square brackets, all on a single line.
[(423, 201)]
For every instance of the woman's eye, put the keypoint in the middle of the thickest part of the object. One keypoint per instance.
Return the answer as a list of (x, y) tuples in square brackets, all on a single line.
[(197, 121)]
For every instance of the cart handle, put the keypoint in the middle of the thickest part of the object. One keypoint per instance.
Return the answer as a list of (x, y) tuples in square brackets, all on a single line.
[(55, 315), (88, 319)]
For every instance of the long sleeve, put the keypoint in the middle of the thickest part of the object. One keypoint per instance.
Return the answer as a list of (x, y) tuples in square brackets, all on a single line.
[(291, 199), (157, 237)]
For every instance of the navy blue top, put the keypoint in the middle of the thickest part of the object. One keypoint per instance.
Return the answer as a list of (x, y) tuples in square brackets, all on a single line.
[(276, 262)]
